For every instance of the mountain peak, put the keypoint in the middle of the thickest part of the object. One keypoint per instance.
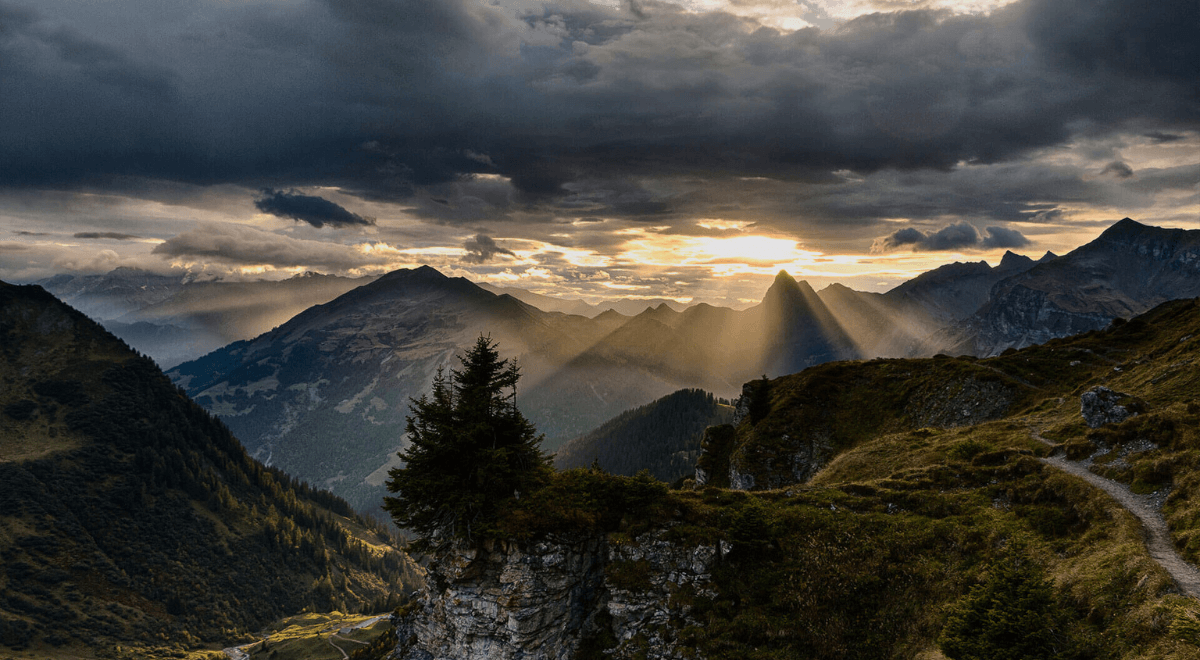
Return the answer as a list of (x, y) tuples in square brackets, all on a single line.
[(786, 288), (1013, 260), (1125, 228), (420, 273), (1047, 257)]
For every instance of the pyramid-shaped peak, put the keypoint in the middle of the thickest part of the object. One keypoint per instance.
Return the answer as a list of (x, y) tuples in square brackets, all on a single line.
[(1013, 260), (1047, 257), (1125, 227), (785, 287)]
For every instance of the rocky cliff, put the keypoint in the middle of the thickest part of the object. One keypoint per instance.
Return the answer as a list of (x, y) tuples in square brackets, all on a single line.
[(558, 597)]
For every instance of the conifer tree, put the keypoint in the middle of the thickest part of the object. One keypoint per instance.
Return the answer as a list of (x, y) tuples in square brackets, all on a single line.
[(1011, 616), (471, 453)]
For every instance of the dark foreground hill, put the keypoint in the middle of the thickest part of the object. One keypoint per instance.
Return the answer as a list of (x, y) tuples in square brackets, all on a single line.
[(130, 517), (662, 436), (887, 509)]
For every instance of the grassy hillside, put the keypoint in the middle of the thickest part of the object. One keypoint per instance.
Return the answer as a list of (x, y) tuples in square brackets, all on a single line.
[(931, 512), (662, 436), (132, 519)]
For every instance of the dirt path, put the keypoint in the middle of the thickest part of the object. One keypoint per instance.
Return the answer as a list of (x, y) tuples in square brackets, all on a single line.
[(330, 640), (1158, 535)]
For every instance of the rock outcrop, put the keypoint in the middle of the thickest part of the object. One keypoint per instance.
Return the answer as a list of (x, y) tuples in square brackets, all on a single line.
[(552, 597), (1100, 406)]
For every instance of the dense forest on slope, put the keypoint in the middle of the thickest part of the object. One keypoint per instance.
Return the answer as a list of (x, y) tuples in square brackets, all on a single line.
[(662, 436), (131, 515)]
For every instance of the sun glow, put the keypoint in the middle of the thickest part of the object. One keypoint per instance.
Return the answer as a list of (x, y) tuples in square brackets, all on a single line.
[(718, 254)]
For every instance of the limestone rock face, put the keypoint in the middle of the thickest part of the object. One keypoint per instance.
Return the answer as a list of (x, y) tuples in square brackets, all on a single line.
[(544, 599), (647, 617), (1100, 406)]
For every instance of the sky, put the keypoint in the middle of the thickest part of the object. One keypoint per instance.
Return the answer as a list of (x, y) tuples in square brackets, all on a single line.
[(589, 149)]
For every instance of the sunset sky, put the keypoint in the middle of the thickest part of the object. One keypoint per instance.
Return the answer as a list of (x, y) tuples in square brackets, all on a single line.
[(593, 149)]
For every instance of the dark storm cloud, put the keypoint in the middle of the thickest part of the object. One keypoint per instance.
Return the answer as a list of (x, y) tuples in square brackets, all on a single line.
[(316, 211), (482, 248), (576, 108), (101, 235), (960, 236), (1001, 237), (1119, 169)]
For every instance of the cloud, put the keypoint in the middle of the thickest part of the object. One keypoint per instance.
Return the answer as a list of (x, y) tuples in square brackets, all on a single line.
[(1119, 169), (316, 211), (1160, 137), (960, 236), (97, 235), (243, 245), (1000, 237), (550, 96), (482, 248)]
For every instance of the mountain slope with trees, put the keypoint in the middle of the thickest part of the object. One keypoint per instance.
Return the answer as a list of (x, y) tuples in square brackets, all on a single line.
[(132, 517), (662, 436)]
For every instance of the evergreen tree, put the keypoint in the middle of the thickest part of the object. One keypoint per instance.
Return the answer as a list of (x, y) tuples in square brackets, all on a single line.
[(1013, 615), (471, 453)]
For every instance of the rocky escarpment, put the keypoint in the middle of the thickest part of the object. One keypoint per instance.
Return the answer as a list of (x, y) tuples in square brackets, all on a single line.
[(1127, 270), (1023, 316), (553, 597)]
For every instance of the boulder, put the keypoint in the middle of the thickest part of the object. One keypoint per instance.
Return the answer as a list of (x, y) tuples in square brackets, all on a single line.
[(1100, 406)]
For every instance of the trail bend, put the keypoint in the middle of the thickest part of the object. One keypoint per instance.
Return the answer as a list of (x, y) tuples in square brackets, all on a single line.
[(1157, 534)]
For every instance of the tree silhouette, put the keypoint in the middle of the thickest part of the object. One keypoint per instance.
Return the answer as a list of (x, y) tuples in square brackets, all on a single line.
[(472, 453)]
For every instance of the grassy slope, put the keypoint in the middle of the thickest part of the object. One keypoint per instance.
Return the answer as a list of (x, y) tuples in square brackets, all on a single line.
[(133, 521), (862, 561)]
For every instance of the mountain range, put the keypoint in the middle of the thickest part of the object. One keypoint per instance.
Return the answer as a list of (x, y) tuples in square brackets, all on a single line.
[(325, 394)]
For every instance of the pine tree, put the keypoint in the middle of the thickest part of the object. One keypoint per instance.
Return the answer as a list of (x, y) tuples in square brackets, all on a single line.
[(471, 453), (1011, 616)]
